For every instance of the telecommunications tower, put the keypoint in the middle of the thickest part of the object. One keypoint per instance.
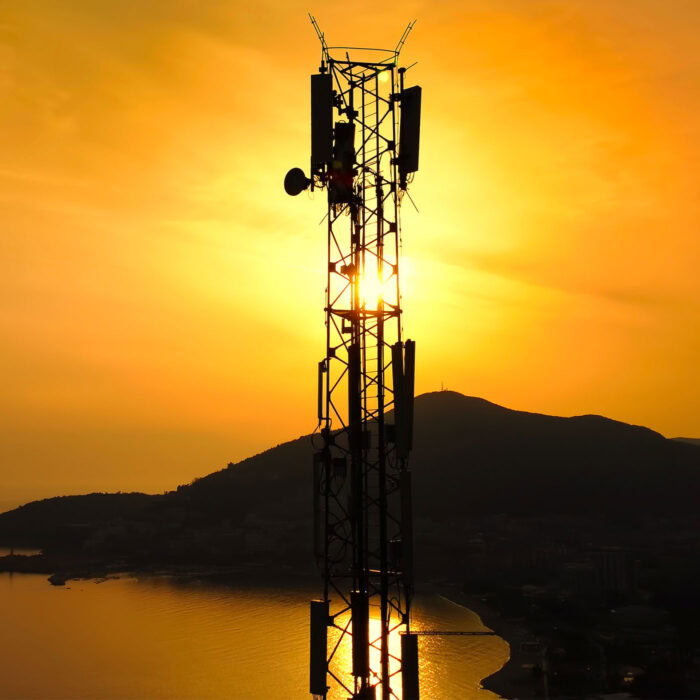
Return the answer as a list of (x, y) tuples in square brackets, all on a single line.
[(365, 126)]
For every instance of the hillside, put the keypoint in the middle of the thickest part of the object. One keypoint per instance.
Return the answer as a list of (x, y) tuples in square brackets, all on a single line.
[(472, 459), (474, 455)]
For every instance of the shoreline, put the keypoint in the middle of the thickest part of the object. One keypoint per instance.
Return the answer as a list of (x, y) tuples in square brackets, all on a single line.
[(59, 571), (511, 681)]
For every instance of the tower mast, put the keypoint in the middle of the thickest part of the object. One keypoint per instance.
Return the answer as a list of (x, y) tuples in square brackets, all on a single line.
[(364, 145)]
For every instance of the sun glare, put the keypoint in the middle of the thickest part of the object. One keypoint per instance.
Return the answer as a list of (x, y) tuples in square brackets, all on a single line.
[(374, 287)]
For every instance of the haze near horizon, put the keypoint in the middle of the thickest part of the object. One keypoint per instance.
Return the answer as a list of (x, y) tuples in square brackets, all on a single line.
[(162, 299)]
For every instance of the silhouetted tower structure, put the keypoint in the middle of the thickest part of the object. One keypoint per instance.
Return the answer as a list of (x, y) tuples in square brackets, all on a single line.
[(365, 127)]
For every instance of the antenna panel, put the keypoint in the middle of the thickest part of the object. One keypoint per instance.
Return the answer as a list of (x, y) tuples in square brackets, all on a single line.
[(319, 642), (341, 171), (321, 121), (409, 137)]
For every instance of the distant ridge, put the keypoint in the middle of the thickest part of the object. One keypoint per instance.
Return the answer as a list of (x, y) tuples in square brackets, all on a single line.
[(472, 458), (520, 462), (690, 441)]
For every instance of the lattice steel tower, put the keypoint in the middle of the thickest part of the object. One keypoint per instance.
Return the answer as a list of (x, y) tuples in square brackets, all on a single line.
[(364, 148)]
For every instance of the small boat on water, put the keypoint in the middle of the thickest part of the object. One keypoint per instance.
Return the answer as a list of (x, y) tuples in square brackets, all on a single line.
[(57, 580)]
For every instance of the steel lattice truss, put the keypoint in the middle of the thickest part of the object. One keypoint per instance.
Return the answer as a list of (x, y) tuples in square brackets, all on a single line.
[(364, 547)]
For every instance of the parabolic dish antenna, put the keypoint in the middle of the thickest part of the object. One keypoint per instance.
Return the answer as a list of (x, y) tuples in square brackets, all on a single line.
[(295, 182)]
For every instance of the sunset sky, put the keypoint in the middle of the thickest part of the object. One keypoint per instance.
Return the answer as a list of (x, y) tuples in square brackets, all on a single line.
[(161, 298)]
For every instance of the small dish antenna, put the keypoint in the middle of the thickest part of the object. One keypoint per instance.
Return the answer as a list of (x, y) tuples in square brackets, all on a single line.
[(295, 182)]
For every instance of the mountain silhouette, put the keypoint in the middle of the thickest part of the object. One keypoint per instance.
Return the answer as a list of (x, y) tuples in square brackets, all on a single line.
[(471, 459)]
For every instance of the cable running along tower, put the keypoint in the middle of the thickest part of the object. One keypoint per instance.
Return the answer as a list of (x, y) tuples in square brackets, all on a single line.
[(365, 127)]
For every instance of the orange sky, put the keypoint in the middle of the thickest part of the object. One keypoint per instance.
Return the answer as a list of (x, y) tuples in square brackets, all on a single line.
[(161, 297)]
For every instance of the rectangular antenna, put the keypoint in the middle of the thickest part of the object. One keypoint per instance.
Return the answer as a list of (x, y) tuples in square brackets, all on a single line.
[(321, 121), (319, 642), (359, 605), (409, 138), (341, 172), (409, 666), (321, 465), (409, 379)]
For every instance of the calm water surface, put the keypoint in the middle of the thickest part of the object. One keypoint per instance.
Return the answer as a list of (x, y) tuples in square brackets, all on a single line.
[(166, 637)]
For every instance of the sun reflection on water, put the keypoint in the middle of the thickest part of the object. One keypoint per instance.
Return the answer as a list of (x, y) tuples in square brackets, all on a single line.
[(342, 663), (444, 662)]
